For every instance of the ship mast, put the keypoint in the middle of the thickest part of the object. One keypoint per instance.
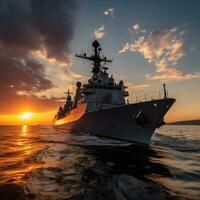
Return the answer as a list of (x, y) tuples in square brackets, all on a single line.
[(96, 58)]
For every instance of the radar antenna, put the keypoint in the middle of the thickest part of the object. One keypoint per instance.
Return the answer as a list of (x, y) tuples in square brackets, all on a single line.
[(96, 58)]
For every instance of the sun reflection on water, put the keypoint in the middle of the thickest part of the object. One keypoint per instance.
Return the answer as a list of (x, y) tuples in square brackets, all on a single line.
[(19, 155), (24, 130)]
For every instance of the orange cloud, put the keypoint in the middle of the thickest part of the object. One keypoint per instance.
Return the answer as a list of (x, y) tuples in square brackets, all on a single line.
[(163, 49), (136, 86), (100, 32)]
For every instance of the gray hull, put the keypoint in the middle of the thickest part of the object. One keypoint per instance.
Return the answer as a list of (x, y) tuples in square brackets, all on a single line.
[(120, 122)]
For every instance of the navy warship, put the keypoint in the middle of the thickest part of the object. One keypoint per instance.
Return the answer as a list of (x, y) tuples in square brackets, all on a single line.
[(99, 107)]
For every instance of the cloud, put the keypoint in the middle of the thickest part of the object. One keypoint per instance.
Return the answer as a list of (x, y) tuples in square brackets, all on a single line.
[(136, 29), (60, 73), (22, 74), (173, 74), (125, 48), (109, 12), (136, 86), (29, 26), (33, 24), (163, 49), (100, 32)]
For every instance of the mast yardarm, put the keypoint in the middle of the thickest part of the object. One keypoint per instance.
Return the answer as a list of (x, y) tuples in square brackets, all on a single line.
[(96, 58)]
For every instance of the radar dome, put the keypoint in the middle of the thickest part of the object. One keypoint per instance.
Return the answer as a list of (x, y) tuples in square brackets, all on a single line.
[(95, 44), (78, 84)]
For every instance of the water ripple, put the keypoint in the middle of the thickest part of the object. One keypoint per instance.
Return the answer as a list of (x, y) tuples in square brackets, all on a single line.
[(41, 163)]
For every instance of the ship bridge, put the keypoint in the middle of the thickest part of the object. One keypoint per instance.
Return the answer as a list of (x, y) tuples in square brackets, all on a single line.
[(101, 91)]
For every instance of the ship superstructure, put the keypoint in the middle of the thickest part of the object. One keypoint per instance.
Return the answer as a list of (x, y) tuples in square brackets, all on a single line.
[(100, 108)]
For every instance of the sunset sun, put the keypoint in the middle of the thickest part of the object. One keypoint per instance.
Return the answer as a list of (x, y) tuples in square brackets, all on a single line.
[(26, 115)]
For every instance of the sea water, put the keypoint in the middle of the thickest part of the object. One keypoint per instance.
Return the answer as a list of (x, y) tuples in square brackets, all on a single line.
[(38, 162)]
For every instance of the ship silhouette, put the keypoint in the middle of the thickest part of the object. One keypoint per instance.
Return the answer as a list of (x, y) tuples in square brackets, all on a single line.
[(99, 107)]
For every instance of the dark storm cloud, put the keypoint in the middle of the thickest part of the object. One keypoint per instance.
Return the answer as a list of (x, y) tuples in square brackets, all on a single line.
[(30, 24), (54, 21), (21, 74), (26, 26)]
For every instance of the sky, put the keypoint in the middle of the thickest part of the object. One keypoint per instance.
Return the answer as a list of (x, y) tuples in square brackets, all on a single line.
[(151, 42)]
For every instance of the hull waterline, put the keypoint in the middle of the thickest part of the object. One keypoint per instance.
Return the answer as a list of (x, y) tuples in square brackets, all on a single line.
[(120, 122)]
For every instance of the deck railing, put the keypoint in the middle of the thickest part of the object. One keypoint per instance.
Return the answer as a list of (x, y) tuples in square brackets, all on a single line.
[(151, 95), (147, 96)]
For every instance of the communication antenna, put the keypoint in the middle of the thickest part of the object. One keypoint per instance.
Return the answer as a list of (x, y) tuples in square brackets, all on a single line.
[(165, 93), (96, 58)]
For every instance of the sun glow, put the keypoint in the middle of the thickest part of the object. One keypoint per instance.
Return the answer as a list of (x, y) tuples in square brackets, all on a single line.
[(26, 115)]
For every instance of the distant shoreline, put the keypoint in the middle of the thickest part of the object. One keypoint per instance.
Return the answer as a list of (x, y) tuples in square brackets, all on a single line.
[(187, 122)]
